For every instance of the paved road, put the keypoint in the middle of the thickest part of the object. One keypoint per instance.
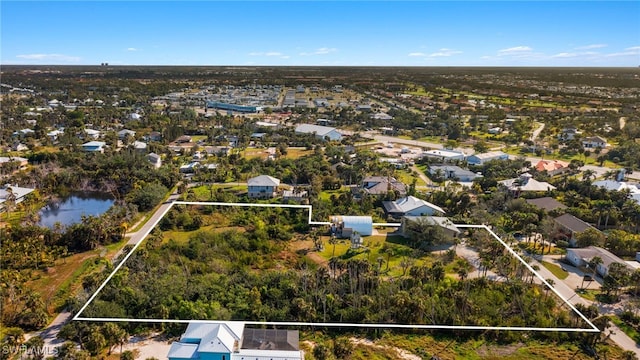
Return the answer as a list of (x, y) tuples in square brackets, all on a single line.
[(616, 335), (537, 132), (50, 334)]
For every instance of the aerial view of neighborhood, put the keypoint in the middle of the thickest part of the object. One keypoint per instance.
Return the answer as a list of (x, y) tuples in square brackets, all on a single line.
[(249, 210)]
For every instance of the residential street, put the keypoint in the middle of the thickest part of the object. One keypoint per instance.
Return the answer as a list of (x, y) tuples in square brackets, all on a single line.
[(617, 335)]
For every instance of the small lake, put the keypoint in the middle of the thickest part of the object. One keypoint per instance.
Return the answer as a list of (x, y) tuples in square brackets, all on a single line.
[(69, 210)]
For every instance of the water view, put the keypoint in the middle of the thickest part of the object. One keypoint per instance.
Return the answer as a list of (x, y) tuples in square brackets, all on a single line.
[(69, 210)]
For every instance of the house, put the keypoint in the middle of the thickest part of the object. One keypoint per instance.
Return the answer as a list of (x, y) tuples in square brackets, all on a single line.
[(139, 146), (582, 257), (321, 132), (445, 155), (526, 182), (155, 136), (451, 172), (123, 133), (449, 229), (569, 133), (481, 159), (594, 142), (381, 185), (547, 204), (7, 192), (363, 108), (189, 168), (569, 226), (614, 185), (495, 130), (134, 116), (411, 206), (381, 116), (155, 160), (232, 341), (94, 146), (183, 139), (346, 226), (295, 195), (552, 167), (92, 134), (263, 187), (24, 133), (53, 135), (19, 163)]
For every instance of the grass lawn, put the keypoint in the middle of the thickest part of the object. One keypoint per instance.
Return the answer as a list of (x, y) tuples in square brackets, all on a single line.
[(555, 270), (60, 281), (406, 176), (589, 294), (629, 330), (294, 153), (326, 194)]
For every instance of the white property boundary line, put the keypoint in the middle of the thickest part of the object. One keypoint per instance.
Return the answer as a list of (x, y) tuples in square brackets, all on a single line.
[(77, 317)]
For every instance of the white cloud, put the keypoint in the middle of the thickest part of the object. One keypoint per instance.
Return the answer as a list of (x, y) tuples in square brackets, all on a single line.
[(50, 57), (630, 51), (319, 51), (517, 50), (270, 54), (132, 49), (564, 55), (445, 52), (417, 54), (589, 47)]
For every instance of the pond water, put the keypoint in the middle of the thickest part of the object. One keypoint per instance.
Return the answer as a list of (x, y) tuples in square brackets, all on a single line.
[(69, 210)]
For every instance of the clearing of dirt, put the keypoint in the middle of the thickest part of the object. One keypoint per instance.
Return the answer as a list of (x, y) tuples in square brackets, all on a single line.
[(402, 354)]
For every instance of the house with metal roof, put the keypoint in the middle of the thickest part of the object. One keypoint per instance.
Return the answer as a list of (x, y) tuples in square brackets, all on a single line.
[(411, 206), (94, 146), (346, 226), (263, 187), (481, 159), (15, 193), (232, 341), (582, 257), (321, 132), (445, 155)]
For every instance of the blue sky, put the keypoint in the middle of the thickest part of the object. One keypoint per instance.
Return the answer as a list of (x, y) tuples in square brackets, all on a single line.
[(380, 33)]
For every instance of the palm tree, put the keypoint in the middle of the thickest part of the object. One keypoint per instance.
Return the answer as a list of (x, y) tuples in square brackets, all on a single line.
[(593, 263)]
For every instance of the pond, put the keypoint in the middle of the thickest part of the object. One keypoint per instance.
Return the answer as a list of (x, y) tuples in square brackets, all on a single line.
[(69, 210)]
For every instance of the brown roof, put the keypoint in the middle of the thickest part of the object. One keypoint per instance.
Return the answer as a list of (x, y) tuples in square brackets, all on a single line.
[(572, 223), (546, 203)]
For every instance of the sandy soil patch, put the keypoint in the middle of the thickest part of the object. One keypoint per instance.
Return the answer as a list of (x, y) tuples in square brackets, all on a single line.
[(146, 347)]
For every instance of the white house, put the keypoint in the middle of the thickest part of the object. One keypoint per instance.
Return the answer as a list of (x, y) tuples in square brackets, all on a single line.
[(155, 160), (480, 159), (94, 146), (92, 134), (451, 172), (582, 257), (321, 132), (526, 182), (230, 340), (594, 142), (445, 155), (263, 186), (346, 226), (411, 206), (614, 185), (17, 193), (123, 133)]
